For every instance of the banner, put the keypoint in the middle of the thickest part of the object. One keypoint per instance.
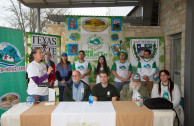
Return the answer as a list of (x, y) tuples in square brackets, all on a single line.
[(137, 45), (12, 69), (96, 35), (48, 43)]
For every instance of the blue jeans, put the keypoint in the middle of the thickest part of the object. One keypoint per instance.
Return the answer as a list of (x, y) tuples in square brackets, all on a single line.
[(40, 98), (61, 91), (119, 85)]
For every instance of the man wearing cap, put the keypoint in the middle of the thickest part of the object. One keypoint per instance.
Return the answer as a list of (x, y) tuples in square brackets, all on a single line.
[(134, 91), (147, 68), (104, 91), (48, 63), (84, 67), (122, 70)]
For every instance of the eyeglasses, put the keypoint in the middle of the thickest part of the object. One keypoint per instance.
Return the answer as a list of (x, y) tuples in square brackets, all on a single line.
[(75, 75)]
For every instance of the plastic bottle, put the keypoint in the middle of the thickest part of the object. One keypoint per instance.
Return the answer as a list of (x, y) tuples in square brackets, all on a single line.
[(29, 100), (90, 99)]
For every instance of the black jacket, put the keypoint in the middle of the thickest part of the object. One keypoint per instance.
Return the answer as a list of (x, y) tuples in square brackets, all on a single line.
[(67, 95)]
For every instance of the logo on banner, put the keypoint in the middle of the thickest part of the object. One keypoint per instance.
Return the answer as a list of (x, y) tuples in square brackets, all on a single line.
[(9, 55), (95, 42), (8, 100), (94, 25), (139, 46)]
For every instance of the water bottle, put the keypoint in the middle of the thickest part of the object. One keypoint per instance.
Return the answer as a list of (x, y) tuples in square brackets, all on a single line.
[(90, 99), (29, 100)]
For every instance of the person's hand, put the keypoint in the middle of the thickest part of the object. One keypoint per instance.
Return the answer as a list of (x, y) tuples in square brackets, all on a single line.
[(49, 70), (144, 77), (82, 76), (63, 82), (125, 80), (147, 78), (122, 79), (49, 84), (134, 99), (139, 99)]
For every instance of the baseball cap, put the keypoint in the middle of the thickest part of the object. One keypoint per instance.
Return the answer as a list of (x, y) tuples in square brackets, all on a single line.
[(123, 51), (64, 54), (135, 77)]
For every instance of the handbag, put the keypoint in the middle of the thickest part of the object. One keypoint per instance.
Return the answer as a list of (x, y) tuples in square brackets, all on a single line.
[(158, 103)]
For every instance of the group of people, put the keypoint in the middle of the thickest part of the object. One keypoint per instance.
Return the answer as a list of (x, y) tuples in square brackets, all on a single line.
[(73, 80)]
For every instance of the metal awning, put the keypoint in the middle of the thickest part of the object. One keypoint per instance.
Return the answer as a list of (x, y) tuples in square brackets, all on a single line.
[(79, 3), (61, 18)]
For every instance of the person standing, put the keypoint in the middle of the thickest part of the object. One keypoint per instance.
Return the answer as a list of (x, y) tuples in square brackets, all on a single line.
[(122, 70), (63, 74), (48, 62), (101, 66), (147, 68), (84, 67), (38, 75)]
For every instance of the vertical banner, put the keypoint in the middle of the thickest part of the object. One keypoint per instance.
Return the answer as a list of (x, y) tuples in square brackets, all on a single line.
[(12, 68), (48, 43), (137, 45)]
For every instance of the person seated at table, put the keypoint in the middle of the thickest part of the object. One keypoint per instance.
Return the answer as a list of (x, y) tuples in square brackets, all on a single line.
[(76, 90), (104, 91), (170, 91), (134, 91)]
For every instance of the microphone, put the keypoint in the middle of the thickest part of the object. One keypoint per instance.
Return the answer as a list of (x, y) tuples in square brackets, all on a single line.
[(49, 64)]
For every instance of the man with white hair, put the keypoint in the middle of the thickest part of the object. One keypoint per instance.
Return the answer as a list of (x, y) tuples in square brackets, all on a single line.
[(134, 91), (77, 90)]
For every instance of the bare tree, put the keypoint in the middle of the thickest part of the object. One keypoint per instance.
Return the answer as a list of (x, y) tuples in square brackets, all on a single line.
[(25, 18)]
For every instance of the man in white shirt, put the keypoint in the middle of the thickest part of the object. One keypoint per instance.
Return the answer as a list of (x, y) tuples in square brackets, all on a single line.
[(122, 70), (147, 68), (83, 66)]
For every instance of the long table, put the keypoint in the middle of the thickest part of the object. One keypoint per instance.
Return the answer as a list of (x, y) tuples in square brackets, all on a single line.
[(78, 114)]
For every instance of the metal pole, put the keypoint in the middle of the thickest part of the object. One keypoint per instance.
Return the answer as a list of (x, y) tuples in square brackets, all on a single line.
[(189, 68), (38, 19)]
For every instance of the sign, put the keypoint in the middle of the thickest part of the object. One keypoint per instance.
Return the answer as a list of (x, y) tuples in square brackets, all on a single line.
[(138, 46), (48, 43), (12, 69)]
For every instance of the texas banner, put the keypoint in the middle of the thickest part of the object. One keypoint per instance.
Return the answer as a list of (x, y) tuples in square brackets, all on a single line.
[(48, 43), (12, 68)]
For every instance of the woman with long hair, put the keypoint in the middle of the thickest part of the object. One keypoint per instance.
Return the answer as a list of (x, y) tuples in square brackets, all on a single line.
[(49, 62), (63, 74), (38, 75), (101, 66), (170, 91)]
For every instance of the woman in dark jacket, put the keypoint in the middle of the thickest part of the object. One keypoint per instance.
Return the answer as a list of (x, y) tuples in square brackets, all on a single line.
[(63, 74)]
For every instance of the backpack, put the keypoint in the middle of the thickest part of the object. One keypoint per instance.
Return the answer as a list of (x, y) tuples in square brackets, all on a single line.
[(158, 103)]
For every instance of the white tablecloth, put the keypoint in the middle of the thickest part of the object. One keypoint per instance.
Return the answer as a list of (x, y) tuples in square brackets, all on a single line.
[(81, 113), (163, 117), (12, 116)]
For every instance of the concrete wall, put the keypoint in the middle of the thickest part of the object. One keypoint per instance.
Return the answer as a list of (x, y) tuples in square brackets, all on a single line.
[(143, 31), (57, 29), (172, 21)]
